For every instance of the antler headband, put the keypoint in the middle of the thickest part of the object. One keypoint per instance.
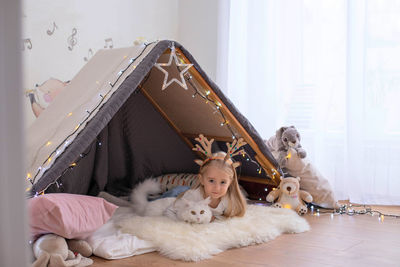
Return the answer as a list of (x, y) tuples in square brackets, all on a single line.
[(206, 145)]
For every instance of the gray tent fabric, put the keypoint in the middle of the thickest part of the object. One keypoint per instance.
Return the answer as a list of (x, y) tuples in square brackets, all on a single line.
[(122, 154), (128, 140)]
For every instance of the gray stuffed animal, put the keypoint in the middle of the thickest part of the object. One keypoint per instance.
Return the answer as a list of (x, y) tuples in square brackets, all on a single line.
[(285, 138)]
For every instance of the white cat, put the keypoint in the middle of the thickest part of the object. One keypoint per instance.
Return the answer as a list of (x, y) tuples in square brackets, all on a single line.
[(177, 209)]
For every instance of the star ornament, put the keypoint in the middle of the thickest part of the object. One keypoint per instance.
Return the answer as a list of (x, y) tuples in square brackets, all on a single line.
[(173, 63)]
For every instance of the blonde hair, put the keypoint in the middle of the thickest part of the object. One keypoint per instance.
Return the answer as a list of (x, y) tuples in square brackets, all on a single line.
[(236, 200)]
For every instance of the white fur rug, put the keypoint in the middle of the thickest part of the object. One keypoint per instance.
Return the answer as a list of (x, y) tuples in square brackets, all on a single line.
[(183, 241)]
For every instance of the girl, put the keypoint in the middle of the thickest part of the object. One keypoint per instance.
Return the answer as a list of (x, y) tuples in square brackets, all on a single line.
[(218, 180), (217, 184)]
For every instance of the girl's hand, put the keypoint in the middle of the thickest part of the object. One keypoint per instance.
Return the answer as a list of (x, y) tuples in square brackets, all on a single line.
[(212, 218)]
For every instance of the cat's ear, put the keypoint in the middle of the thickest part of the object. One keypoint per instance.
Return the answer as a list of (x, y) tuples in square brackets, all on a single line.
[(207, 200), (185, 203)]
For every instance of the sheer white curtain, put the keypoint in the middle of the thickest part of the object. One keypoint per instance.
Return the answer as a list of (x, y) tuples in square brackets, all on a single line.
[(332, 69)]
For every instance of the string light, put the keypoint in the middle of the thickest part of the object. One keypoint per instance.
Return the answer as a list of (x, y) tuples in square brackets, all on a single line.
[(66, 141), (350, 211), (207, 100), (218, 105)]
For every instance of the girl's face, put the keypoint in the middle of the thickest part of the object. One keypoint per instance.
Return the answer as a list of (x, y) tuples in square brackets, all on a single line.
[(215, 182)]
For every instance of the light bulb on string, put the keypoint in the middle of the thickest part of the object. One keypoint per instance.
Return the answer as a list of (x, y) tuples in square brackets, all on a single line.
[(65, 143)]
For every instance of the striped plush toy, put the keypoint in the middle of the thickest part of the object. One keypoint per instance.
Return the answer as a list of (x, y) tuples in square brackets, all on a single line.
[(169, 181)]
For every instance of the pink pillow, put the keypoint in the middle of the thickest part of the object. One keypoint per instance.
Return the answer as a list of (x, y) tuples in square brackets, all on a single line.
[(68, 215)]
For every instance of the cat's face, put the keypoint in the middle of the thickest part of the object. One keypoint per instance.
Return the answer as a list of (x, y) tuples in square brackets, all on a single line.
[(194, 212)]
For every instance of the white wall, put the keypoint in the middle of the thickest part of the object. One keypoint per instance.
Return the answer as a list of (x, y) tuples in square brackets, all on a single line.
[(13, 241), (192, 23), (197, 32), (94, 20)]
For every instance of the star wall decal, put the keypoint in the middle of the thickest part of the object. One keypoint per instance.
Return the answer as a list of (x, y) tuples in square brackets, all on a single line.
[(173, 63)]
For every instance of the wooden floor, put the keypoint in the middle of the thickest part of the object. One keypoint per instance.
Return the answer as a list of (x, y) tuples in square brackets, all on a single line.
[(341, 240)]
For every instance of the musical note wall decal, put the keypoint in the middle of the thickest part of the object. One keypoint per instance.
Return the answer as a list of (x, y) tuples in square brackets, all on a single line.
[(28, 43), (72, 41), (50, 32), (90, 54), (108, 43)]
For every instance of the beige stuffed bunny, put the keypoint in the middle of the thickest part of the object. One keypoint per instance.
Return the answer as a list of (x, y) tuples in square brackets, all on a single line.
[(52, 250)]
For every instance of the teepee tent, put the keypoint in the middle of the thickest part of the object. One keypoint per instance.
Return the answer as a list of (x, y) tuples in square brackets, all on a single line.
[(132, 113)]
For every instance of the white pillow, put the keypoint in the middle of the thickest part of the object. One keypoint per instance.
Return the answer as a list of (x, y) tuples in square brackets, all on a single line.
[(109, 243)]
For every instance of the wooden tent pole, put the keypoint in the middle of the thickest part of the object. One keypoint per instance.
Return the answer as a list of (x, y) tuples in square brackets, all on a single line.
[(164, 115), (263, 161)]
